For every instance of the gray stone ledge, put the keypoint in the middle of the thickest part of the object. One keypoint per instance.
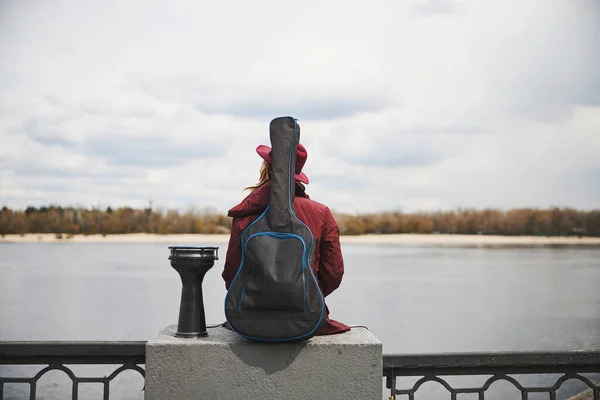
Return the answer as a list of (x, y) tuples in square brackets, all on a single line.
[(226, 366)]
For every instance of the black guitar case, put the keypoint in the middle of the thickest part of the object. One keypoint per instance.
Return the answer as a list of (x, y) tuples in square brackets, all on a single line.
[(275, 296)]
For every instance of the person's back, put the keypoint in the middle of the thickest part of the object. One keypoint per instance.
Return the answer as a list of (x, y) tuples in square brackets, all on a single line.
[(328, 264)]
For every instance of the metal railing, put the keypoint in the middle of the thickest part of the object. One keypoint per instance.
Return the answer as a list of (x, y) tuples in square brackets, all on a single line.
[(56, 355), (498, 366), (426, 367)]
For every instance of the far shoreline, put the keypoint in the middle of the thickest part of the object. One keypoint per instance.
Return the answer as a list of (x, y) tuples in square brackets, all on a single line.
[(208, 239)]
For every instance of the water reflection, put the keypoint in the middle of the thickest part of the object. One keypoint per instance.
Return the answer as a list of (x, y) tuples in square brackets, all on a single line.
[(415, 299)]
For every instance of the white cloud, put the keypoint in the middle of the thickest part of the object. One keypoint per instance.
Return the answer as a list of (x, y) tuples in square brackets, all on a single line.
[(412, 105)]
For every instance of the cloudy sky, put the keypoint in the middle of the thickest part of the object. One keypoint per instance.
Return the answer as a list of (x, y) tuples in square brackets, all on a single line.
[(411, 105)]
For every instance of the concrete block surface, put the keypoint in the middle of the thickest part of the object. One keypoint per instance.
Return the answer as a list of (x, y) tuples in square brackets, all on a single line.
[(226, 366)]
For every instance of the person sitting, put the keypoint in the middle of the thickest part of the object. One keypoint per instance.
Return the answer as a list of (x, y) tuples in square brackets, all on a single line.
[(328, 263)]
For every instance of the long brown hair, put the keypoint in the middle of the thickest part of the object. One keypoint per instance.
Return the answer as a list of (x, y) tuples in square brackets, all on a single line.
[(264, 177)]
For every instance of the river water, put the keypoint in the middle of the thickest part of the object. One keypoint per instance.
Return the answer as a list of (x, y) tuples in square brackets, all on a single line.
[(414, 298)]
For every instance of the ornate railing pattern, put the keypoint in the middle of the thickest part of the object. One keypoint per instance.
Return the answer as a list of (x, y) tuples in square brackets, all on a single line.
[(56, 355), (426, 368), (498, 366)]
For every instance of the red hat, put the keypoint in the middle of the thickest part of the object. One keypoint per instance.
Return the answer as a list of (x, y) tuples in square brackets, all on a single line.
[(301, 155)]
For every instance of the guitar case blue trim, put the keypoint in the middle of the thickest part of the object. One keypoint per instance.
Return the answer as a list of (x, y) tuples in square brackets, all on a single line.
[(275, 297)]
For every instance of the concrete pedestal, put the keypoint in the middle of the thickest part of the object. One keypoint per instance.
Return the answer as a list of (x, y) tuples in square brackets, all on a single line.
[(224, 366)]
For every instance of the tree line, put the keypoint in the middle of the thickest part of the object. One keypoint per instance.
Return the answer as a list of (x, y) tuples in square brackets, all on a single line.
[(89, 221)]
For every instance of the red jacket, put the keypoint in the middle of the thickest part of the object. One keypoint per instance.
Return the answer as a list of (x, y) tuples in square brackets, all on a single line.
[(328, 264)]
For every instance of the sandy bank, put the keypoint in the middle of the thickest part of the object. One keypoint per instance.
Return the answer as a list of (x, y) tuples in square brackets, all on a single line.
[(198, 239)]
